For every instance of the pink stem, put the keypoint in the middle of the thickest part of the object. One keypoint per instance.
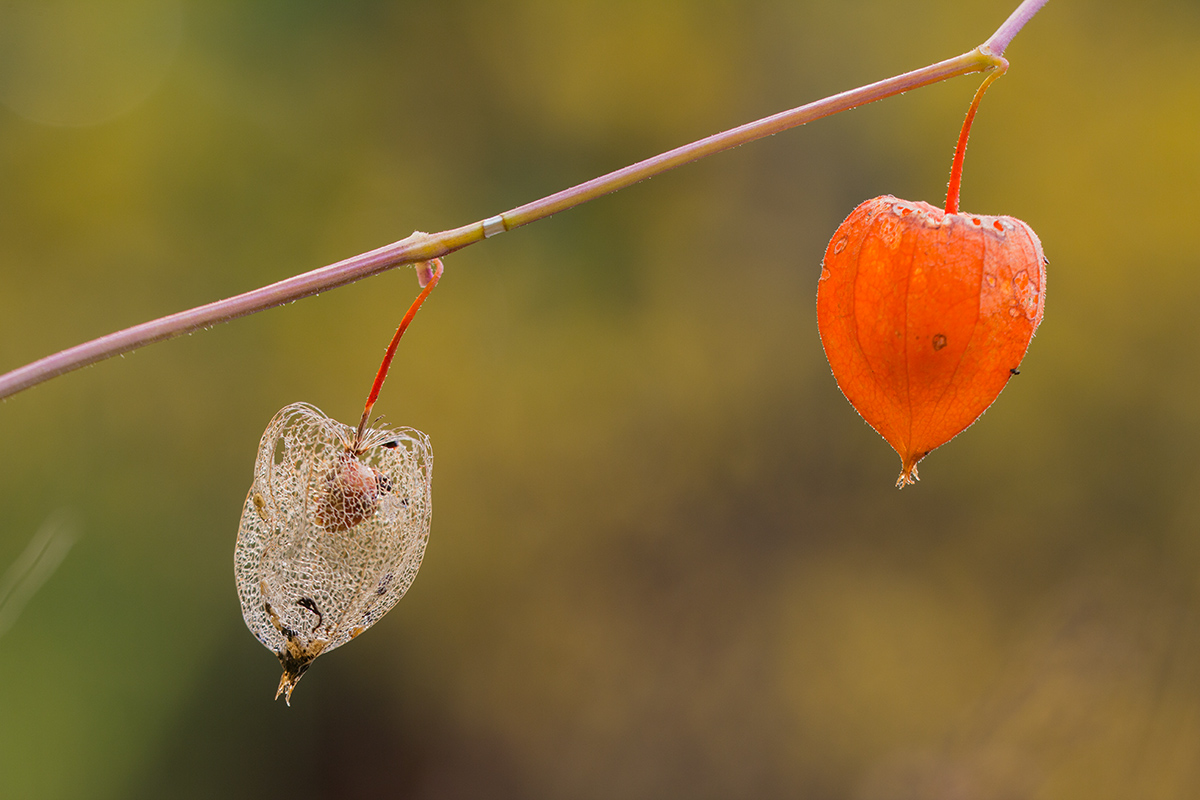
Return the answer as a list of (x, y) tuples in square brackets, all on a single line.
[(997, 43), (426, 247)]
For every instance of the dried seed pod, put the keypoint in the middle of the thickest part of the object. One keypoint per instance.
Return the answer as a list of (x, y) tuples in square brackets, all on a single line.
[(335, 524), (332, 533)]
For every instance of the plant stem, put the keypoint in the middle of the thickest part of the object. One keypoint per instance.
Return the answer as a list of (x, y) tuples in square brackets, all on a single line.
[(960, 151), (425, 247), (997, 43), (434, 270)]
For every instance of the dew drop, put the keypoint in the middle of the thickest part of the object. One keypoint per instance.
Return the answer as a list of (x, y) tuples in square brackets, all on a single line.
[(824, 274), (1013, 312), (991, 280), (1025, 291), (889, 232), (839, 245)]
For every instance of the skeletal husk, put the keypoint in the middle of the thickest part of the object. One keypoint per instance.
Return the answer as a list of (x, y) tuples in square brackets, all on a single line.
[(332, 533)]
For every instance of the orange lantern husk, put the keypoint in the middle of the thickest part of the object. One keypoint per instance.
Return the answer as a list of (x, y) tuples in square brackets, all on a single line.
[(925, 315)]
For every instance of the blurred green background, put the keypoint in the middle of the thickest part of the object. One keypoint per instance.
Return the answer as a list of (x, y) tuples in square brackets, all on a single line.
[(667, 557)]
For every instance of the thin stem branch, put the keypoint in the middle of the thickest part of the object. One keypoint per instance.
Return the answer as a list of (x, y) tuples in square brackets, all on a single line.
[(960, 152), (973, 61), (424, 247), (434, 270), (997, 43)]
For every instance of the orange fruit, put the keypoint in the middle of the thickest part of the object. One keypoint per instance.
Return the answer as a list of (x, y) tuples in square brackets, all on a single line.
[(925, 315)]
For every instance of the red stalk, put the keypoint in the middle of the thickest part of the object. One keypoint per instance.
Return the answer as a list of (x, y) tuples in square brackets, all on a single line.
[(391, 350), (960, 151)]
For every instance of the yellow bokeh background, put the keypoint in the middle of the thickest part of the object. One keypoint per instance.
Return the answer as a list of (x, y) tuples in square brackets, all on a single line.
[(667, 557)]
